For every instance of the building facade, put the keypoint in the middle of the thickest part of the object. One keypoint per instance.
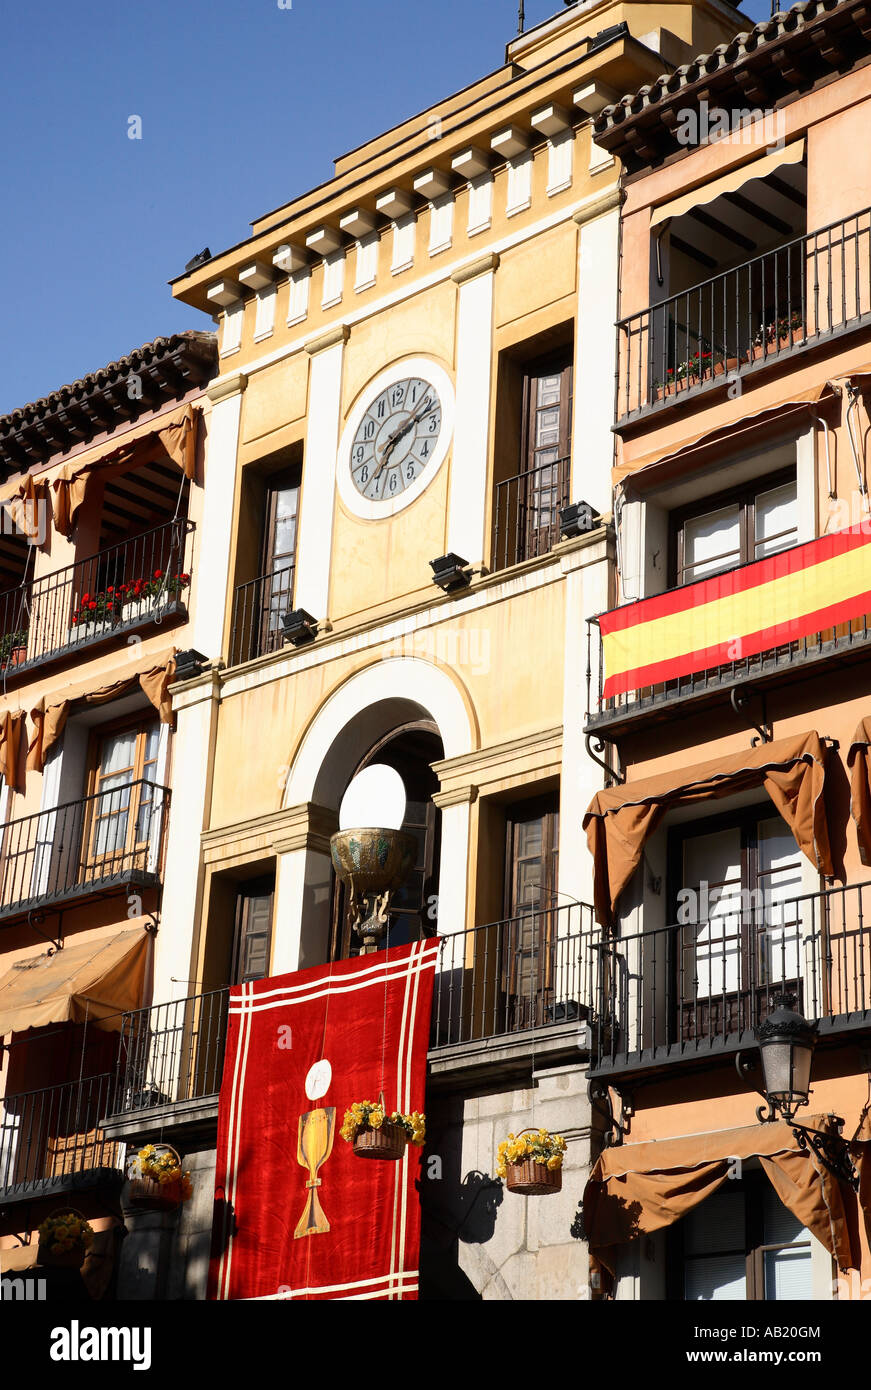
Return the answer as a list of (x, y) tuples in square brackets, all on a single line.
[(103, 512), (734, 689)]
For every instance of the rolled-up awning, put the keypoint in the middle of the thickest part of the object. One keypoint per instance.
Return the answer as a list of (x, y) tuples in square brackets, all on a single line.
[(620, 820), (859, 763), (95, 981), (729, 183), (636, 1189)]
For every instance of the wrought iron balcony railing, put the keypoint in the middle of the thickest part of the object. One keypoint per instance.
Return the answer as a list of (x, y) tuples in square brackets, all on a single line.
[(258, 608), (531, 971), (848, 640), (526, 512), (172, 1052), (700, 987), (112, 838), (799, 294), (53, 1134), (141, 580)]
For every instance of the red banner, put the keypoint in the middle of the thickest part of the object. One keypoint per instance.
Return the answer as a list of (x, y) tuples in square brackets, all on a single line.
[(297, 1214)]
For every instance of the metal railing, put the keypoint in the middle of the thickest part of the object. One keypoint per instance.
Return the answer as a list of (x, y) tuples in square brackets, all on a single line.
[(811, 288), (55, 1132), (113, 835), (172, 1052), (258, 608), (531, 971), (526, 512), (803, 651), (136, 581), (674, 990)]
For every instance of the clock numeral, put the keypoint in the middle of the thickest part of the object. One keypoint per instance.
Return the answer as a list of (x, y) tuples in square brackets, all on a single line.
[(434, 422), (392, 484), (398, 395), (364, 474), (424, 449), (382, 407), (369, 430), (359, 453), (409, 473)]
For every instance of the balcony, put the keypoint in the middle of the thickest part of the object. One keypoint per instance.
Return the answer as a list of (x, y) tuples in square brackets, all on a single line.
[(806, 292), (170, 1055), (116, 591), (110, 840), (692, 674), (522, 983), (51, 1141), (526, 508), (699, 990), (258, 608)]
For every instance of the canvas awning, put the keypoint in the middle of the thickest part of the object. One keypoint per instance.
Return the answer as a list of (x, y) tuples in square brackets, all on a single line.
[(859, 763), (95, 982), (635, 1189), (731, 182), (620, 820)]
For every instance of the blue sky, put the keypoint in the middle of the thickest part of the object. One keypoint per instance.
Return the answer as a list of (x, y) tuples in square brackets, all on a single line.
[(243, 104)]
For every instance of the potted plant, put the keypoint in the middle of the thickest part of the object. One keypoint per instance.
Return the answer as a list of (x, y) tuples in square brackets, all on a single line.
[(96, 612), (157, 1180), (531, 1162), (13, 648), (375, 1134), (64, 1239), (141, 594), (774, 337)]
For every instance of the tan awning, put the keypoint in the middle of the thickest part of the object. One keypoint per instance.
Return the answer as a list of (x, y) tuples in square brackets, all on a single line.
[(636, 1189), (96, 981), (729, 183), (12, 733), (748, 423), (619, 821), (859, 763), (176, 438)]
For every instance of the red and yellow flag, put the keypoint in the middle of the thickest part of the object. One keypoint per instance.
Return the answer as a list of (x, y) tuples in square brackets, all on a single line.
[(747, 610)]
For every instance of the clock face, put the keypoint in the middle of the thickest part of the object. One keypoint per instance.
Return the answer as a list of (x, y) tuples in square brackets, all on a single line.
[(396, 439)]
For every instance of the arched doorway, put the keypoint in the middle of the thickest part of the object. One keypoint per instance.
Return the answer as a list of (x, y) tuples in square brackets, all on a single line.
[(410, 749)]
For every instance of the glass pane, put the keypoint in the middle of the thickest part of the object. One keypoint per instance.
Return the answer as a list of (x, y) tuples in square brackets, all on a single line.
[(715, 1268), (712, 871), (721, 1279), (776, 520), (118, 752), (549, 389), (788, 1274), (284, 533), (779, 881), (712, 543)]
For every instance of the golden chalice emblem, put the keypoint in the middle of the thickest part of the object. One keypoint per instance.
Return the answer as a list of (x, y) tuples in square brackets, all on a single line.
[(314, 1146)]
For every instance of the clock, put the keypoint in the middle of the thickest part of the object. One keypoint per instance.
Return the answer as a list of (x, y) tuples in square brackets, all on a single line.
[(396, 438)]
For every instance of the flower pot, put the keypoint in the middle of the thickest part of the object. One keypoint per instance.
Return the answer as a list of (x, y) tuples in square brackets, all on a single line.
[(63, 1259), (16, 657), (531, 1179), (389, 1142), (150, 1195), (136, 608)]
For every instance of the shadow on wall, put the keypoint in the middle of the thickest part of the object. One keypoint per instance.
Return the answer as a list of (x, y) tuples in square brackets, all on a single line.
[(456, 1208)]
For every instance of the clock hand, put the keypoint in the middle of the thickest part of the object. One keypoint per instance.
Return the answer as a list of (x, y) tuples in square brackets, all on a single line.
[(398, 434)]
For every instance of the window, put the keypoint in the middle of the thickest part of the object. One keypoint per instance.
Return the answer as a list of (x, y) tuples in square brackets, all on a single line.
[(253, 930), (742, 1244), (534, 484), (279, 557), (532, 853), (735, 881), (123, 778), (748, 523)]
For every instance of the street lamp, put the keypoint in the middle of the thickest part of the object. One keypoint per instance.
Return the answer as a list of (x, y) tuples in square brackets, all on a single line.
[(786, 1047)]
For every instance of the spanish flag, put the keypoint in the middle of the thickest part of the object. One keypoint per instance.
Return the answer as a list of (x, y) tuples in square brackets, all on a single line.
[(751, 609)]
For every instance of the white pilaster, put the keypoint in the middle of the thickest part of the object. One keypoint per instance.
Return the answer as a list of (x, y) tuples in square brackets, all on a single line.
[(302, 900), (467, 503), (212, 575), (595, 357), (196, 705), (319, 473), (454, 860)]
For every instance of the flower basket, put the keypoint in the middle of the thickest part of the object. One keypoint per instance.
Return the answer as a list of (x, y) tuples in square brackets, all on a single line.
[(389, 1142), (531, 1162), (156, 1180), (532, 1179), (375, 1134), (64, 1238)]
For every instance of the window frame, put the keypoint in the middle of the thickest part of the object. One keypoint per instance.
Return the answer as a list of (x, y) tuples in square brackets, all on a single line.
[(545, 807), (98, 737), (534, 540), (263, 886), (745, 495)]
